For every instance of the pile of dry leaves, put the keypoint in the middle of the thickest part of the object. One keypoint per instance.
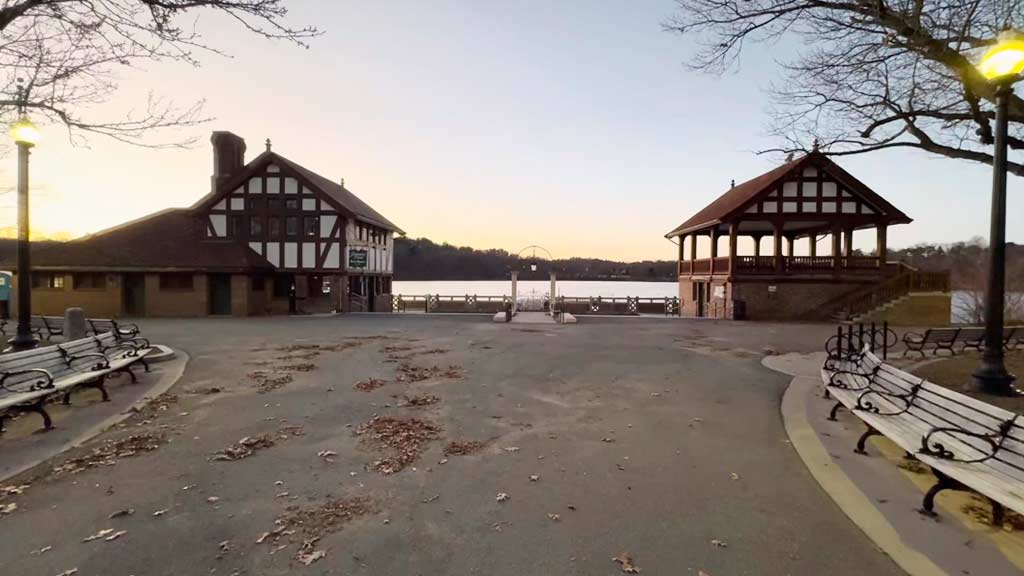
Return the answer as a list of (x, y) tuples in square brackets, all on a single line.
[(420, 400), (403, 438), (244, 448), (268, 381), (108, 453), (299, 367), (409, 373), (312, 523), (463, 447), (370, 384)]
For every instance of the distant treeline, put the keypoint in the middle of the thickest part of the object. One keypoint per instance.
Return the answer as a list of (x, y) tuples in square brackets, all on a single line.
[(421, 259), (966, 261)]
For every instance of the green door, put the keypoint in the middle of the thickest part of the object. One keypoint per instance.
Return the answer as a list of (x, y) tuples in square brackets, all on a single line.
[(220, 294)]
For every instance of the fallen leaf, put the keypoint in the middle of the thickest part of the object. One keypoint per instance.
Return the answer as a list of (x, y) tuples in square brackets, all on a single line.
[(308, 559), (512, 449), (534, 478), (281, 495), (326, 453), (7, 508), (734, 476), (225, 546), (719, 543), (625, 560), (501, 497), (262, 537), (702, 573), (443, 461), (213, 499), (607, 439), (554, 517), (101, 534), (431, 499), (42, 550), (120, 513), (69, 572), (116, 535), (160, 512)]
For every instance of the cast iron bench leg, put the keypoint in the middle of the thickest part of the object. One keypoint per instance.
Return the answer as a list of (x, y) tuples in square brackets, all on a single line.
[(99, 385), (864, 438), (835, 409), (144, 364), (38, 408), (943, 482), (128, 370)]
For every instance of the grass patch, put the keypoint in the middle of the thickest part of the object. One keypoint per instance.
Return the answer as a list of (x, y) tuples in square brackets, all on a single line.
[(956, 373)]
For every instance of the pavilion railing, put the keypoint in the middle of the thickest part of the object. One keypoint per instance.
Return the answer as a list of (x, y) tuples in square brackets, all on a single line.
[(790, 265)]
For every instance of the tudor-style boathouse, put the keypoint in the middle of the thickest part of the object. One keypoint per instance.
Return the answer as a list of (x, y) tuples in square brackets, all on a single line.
[(271, 236), (810, 205)]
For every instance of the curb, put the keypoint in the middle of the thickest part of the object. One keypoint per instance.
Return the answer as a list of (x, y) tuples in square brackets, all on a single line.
[(850, 499)]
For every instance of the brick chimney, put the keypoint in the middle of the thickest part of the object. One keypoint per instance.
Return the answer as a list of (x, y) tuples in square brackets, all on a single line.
[(228, 156)]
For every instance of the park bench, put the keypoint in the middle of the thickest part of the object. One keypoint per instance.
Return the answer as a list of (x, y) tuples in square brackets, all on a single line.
[(103, 325), (947, 338), (30, 378), (968, 444)]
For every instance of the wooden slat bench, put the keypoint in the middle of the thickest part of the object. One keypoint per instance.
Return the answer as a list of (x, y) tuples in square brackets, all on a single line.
[(103, 325), (972, 337), (29, 379), (969, 445)]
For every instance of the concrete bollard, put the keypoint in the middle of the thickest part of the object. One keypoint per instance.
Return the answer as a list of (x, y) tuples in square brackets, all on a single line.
[(74, 324)]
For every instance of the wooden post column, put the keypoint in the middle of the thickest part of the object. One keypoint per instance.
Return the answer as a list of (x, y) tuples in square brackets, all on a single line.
[(836, 249), (812, 249), (789, 246), (757, 245), (881, 250), (732, 248), (848, 241), (714, 251), (777, 251)]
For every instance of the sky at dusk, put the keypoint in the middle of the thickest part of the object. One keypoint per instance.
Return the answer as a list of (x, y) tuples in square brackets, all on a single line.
[(573, 125)]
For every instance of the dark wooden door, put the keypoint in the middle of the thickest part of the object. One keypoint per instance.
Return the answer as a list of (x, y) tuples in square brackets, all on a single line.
[(701, 299), (134, 294), (220, 293)]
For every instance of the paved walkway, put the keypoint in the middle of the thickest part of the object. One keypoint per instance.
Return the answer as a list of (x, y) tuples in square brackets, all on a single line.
[(882, 492), (661, 440)]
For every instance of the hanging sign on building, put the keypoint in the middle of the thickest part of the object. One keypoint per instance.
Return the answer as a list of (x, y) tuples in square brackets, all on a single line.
[(357, 258)]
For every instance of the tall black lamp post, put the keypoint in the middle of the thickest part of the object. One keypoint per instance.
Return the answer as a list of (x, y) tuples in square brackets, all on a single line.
[(1002, 66), (25, 135)]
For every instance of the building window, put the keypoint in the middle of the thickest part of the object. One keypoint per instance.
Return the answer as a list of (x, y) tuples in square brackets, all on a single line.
[(309, 226), (177, 281), (291, 226), (274, 203), (255, 226), (235, 226), (48, 280), (291, 204), (89, 281), (274, 225), (254, 203)]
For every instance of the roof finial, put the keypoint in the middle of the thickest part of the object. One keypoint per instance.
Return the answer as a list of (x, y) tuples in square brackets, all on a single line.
[(732, 184), (268, 144), (815, 145), (342, 182)]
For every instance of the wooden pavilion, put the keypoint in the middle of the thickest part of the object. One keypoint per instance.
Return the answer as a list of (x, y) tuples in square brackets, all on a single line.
[(809, 200)]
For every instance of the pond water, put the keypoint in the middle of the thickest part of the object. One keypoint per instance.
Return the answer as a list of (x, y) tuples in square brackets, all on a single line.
[(577, 288)]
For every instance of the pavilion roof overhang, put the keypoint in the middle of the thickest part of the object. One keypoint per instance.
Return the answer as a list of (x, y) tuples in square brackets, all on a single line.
[(729, 208)]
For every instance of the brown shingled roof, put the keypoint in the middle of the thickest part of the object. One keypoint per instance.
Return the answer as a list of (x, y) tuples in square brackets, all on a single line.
[(738, 197), (171, 239)]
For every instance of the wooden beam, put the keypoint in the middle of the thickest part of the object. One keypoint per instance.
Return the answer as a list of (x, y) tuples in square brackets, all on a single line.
[(778, 247), (881, 250), (732, 247), (714, 250)]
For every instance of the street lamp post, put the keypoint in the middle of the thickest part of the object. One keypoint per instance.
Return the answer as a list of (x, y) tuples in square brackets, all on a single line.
[(1002, 65), (25, 135)]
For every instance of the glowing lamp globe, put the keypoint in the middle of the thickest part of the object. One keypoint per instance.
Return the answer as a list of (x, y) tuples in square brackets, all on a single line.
[(1005, 60), (533, 267), (25, 132)]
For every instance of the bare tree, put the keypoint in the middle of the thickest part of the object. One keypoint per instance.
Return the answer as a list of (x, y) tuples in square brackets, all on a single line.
[(59, 58), (871, 74)]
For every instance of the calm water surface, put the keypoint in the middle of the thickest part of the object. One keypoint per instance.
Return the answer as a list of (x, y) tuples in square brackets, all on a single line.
[(577, 288)]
